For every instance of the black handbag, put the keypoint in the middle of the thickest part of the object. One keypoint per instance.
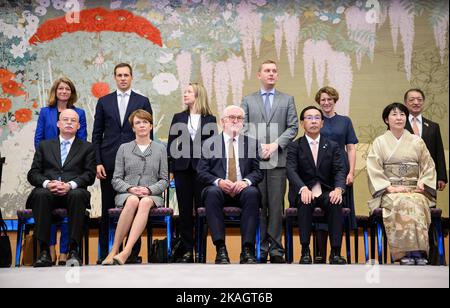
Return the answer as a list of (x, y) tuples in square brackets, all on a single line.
[(5, 245)]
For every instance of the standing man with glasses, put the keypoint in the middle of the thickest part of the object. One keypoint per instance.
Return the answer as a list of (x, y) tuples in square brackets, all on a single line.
[(271, 118), (112, 129)]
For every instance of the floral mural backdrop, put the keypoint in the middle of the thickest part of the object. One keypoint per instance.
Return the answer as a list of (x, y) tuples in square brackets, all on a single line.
[(219, 43)]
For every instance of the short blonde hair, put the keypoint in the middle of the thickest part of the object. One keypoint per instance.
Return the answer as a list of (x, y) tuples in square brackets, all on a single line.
[(228, 108), (327, 90), (266, 62), (141, 114)]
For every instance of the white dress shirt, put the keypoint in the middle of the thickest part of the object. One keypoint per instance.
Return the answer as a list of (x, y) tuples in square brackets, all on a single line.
[(227, 139), (72, 184), (419, 122), (193, 125), (310, 140)]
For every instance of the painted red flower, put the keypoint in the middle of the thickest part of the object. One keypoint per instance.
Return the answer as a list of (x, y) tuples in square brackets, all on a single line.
[(23, 115), (6, 75), (5, 105), (13, 88), (100, 89), (35, 105)]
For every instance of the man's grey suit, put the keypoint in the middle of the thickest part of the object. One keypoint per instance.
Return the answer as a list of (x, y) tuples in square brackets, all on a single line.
[(280, 127)]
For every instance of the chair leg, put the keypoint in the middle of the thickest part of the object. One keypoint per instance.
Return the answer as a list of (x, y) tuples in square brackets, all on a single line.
[(385, 247), (111, 233), (20, 229), (380, 242), (366, 243), (168, 220), (258, 240), (438, 225), (372, 241), (347, 240), (86, 245), (199, 237), (204, 239), (149, 241), (289, 240), (356, 241)]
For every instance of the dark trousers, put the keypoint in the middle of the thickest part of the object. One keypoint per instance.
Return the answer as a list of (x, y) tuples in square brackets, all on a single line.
[(248, 200), (108, 195), (333, 216), (43, 202), (189, 191)]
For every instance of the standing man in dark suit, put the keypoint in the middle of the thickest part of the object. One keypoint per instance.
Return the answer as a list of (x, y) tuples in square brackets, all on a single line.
[(430, 132), (231, 173), (414, 100), (271, 118), (316, 173), (62, 170), (111, 129)]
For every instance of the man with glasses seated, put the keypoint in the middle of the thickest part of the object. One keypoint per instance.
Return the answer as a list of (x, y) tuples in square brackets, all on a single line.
[(316, 173), (62, 170), (230, 171)]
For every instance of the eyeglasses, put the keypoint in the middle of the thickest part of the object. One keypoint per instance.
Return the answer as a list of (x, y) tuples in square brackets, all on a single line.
[(235, 118), (310, 118), (67, 120)]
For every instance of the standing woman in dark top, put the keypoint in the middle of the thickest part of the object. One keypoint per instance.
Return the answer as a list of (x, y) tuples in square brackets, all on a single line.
[(187, 132), (339, 129), (62, 96)]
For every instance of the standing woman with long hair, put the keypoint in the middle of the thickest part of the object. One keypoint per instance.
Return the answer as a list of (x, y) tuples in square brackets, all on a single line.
[(188, 130), (63, 95)]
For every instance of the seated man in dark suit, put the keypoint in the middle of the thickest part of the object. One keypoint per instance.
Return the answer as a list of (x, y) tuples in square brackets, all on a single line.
[(230, 171), (315, 169), (62, 170)]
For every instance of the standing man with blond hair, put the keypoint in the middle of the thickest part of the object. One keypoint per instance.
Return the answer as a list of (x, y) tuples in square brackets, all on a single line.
[(271, 118)]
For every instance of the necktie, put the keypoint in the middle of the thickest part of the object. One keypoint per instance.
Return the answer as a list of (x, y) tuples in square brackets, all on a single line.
[(232, 175), (317, 189), (122, 107), (415, 127), (64, 152), (267, 106)]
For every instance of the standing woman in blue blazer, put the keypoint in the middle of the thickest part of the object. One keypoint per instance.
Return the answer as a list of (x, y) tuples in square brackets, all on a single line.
[(63, 95), (187, 132)]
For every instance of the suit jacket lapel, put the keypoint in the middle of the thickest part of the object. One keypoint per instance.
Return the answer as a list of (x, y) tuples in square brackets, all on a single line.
[(260, 102), (426, 132), (243, 154), (223, 156), (323, 145), (53, 119), (73, 151), (116, 107), (304, 145), (276, 102), (56, 150)]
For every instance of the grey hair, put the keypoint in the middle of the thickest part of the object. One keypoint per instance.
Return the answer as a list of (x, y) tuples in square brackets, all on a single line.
[(228, 108)]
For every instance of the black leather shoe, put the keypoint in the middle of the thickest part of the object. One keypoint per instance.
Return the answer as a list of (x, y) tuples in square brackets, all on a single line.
[(222, 256), (277, 259), (421, 261), (44, 260), (74, 259), (134, 260), (337, 259), (306, 257), (319, 260), (247, 256), (188, 257)]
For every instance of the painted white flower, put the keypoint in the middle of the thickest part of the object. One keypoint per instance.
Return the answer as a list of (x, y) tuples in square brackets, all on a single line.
[(10, 31), (336, 21), (165, 83), (44, 3), (324, 17), (340, 10), (40, 11), (58, 4), (165, 57), (226, 15), (18, 51)]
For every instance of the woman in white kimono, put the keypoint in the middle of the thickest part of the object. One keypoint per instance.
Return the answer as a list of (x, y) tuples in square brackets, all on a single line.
[(402, 181)]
